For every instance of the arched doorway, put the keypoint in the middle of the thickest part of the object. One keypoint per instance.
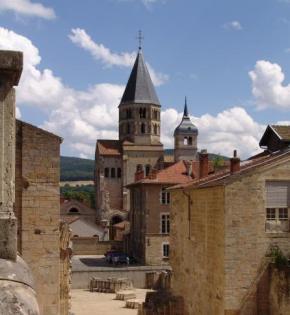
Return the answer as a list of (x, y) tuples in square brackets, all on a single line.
[(114, 220)]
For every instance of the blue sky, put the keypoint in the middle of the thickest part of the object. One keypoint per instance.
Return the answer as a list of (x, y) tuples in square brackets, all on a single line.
[(229, 57)]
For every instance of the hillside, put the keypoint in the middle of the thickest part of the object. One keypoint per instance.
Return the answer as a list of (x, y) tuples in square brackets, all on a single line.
[(76, 169)]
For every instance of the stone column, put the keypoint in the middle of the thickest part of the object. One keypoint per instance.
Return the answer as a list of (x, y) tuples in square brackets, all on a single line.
[(10, 71)]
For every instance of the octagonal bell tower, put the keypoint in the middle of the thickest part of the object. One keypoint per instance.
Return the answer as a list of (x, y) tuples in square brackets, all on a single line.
[(139, 109), (185, 138)]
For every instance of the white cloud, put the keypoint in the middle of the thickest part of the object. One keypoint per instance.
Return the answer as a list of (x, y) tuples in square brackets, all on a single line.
[(101, 53), (231, 129), (28, 8), (267, 86), (233, 25), (81, 117)]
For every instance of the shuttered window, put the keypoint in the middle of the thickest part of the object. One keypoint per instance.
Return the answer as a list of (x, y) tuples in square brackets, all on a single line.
[(277, 206), (278, 194)]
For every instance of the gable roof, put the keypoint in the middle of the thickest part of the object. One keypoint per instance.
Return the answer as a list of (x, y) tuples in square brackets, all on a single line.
[(139, 88), (223, 177), (281, 132), (109, 147)]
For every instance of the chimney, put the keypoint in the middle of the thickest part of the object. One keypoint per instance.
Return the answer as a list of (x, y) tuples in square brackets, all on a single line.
[(235, 163), (139, 175), (203, 164)]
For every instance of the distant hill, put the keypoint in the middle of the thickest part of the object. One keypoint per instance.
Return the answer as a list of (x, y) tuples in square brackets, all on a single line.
[(76, 169), (211, 156)]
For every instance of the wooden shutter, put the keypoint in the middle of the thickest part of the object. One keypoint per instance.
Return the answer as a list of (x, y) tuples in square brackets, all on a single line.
[(277, 194)]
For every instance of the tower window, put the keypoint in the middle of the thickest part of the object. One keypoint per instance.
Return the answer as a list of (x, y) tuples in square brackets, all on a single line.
[(142, 112), (155, 129), (106, 172), (119, 172), (113, 173), (147, 169), (155, 115), (185, 141), (143, 128), (129, 113), (189, 140), (128, 128)]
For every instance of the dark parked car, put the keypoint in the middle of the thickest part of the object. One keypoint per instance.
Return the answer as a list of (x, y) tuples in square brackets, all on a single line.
[(120, 258), (110, 254)]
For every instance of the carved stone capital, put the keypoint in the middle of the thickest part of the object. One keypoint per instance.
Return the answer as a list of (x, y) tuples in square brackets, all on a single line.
[(11, 65)]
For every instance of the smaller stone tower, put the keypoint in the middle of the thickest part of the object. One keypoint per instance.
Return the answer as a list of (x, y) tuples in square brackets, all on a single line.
[(185, 138)]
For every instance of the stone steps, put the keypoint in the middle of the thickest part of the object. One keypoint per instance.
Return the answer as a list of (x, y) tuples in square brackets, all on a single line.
[(133, 303), (125, 295)]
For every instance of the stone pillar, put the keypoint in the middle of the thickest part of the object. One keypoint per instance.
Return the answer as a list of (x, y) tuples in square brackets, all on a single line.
[(10, 72)]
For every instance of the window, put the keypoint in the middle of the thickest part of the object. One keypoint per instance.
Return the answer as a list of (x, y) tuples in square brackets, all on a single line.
[(165, 223), (185, 141), (113, 173), (106, 172), (277, 206), (143, 128), (128, 128), (283, 213), (155, 129), (119, 172), (155, 115), (129, 113), (165, 250), (271, 213), (190, 141), (139, 168), (147, 169), (142, 112), (165, 197)]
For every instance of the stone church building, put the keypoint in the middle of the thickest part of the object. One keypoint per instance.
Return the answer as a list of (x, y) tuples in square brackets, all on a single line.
[(138, 148)]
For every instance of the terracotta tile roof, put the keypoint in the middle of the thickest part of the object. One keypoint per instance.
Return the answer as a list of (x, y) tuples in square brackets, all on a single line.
[(221, 178), (109, 147), (173, 174), (282, 131)]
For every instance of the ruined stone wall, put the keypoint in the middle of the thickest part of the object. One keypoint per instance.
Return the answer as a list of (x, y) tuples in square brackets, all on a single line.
[(197, 250), (246, 241), (65, 268), (38, 210), (279, 293)]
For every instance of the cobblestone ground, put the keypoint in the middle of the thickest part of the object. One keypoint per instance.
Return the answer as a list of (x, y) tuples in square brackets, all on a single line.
[(85, 302)]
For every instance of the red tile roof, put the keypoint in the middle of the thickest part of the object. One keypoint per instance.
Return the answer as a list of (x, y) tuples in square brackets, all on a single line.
[(109, 147), (247, 166), (173, 174)]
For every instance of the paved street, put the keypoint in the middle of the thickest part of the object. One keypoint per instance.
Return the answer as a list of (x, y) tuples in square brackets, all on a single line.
[(85, 302)]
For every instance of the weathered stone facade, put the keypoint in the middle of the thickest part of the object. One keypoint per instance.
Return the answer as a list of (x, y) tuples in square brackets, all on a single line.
[(219, 240), (38, 211), (17, 295)]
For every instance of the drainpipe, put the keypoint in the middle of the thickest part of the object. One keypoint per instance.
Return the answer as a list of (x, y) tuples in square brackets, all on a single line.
[(189, 202)]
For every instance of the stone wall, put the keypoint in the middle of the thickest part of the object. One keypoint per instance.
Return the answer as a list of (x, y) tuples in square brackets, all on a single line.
[(154, 249), (246, 240), (92, 246), (279, 292), (38, 210), (197, 249)]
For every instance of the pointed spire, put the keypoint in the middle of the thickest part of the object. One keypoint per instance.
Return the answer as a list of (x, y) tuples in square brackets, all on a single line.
[(139, 88), (185, 112)]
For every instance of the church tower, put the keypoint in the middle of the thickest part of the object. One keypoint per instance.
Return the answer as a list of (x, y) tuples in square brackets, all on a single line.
[(139, 109), (185, 138)]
